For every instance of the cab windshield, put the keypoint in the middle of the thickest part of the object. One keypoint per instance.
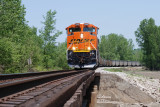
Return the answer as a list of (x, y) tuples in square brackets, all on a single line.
[(77, 29), (89, 29)]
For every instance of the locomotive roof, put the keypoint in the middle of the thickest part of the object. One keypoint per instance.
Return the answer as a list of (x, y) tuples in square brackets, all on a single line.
[(79, 24)]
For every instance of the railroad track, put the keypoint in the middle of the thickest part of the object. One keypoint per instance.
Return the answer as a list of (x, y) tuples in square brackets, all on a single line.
[(20, 76), (52, 89)]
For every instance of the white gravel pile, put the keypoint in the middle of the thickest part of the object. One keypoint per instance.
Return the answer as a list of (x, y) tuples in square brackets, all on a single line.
[(148, 85)]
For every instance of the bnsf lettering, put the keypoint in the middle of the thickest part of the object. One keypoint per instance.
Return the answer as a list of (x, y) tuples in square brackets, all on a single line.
[(80, 40)]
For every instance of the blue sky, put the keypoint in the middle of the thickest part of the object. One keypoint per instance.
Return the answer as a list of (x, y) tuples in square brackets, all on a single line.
[(111, 16)]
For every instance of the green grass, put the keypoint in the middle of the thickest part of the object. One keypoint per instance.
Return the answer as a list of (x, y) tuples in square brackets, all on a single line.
[(130, 73), (39, 68), (114, 69)]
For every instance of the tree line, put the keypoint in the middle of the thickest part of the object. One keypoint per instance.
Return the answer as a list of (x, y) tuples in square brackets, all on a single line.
[(21, 45), (19, 42), (116, 47)]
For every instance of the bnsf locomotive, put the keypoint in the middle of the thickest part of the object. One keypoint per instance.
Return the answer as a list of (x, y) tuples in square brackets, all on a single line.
[(82, 48), (82, 45)]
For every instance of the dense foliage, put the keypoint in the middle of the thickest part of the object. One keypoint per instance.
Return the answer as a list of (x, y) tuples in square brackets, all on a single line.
[(148, 38), (20, 42), (49, 35), (116, 47)]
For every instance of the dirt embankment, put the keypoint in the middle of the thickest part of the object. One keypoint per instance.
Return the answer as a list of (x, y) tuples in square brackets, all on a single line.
[(118, 89)]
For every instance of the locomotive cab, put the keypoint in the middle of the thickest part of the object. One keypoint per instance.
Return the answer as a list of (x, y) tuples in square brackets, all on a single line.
[(82, 45)]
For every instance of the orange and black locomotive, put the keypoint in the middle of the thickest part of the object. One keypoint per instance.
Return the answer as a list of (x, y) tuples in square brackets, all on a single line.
[(82, 45)]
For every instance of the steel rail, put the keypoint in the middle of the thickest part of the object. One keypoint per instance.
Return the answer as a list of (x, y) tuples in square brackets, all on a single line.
[(20, 85), (53, 93), (22, 75)]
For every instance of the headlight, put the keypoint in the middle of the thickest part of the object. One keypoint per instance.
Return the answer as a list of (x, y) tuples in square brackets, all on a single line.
[(89, 48), (73, 48)]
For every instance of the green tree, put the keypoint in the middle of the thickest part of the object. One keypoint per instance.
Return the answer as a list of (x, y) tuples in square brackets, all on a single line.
[(148, 37), (138, 55), (18, 41), (5, 52), (12, 20), (115, 47), (49, 35), (12, 24), (61, 59)]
